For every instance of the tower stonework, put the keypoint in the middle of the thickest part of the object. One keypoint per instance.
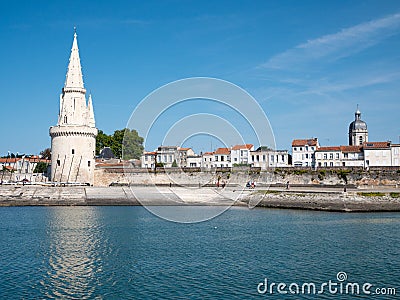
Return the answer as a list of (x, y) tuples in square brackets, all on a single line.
[(358, 131), (73, 139)]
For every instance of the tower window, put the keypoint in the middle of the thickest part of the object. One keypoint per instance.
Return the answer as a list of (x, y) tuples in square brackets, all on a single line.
[(65, 119), (73, 151), (58, 162), (361, 140), (88, 163)]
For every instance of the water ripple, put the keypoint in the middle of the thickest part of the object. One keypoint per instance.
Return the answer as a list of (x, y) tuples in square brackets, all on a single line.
[(126, 253)]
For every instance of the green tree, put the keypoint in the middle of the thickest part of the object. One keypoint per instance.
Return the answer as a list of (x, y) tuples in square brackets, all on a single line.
[(102, 140), (132, 144), (174, 164), (124, 141), (41, 167), (46, 154)]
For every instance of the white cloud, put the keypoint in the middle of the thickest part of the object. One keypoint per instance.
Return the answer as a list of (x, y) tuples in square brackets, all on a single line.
[(338, 45)]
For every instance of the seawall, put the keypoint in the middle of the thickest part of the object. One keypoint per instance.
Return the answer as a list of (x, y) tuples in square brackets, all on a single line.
[(311, 198), (389, 176)]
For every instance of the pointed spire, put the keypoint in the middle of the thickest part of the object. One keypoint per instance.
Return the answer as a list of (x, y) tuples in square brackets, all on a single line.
[(74, 78), (90, 111)]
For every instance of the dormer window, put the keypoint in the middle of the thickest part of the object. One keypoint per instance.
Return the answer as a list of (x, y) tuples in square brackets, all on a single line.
[(65, 119)]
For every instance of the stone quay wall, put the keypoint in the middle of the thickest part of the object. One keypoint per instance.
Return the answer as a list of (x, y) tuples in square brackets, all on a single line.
[(382, 176)]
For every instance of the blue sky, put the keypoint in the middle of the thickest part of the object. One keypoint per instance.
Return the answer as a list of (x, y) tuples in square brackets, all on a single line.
[(307, 63)]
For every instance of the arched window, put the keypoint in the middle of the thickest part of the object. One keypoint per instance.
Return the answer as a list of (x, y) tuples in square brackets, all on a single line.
[(65, 119)]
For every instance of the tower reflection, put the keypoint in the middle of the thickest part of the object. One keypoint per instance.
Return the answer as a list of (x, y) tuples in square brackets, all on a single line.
[(73, 258)]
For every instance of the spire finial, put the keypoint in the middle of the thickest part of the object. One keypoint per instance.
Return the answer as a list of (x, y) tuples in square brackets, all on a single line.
[(75, 31)]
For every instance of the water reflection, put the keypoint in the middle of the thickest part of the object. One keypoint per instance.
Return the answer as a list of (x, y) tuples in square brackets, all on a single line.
[(73, 258)]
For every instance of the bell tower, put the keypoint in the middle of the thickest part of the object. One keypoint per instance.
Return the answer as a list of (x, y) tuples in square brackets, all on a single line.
[(358, 132)]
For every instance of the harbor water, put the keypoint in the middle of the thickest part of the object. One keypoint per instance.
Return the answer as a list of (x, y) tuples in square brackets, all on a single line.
[(128, 253)]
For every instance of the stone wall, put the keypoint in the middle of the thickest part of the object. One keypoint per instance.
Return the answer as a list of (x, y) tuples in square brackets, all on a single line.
[(301, 176)]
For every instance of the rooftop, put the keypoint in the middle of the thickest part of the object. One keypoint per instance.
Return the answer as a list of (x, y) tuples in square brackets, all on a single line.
[(305, 142), (224, 151), (245, 146), (376, 145), (329, 148)]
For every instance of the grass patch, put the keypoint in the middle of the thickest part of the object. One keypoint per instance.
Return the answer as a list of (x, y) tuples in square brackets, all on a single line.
[(301, 195), (371, 194), (395, 195), (269, 192), (300, 172)]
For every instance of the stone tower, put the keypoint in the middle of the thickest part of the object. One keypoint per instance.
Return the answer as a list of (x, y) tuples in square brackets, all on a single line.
[(73, 139), (358, 132)]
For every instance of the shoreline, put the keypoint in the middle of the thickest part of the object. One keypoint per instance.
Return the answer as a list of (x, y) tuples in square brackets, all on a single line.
[(302, 198)]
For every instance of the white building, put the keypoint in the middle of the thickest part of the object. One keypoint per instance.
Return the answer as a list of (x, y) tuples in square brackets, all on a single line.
[(148, 159), (73, 139), (240, 154), (22, 165), (183, 154), (222, 158), (352, 156), (194, 161), (207, 160), (395, 149), (167, 155), (265, 158), (328, 156), (377, 154), (339, 156), (303, 152)]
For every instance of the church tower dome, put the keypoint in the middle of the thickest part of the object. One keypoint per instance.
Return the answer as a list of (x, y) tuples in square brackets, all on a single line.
[(358, 131), (73, 139)]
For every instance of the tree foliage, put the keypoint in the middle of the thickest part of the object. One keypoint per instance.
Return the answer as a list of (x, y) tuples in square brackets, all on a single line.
[(46, 154), (41, 167), (123, 141)]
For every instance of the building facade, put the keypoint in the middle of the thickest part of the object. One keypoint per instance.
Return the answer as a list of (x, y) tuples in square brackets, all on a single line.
[(148, 159), (222, 158), (183, 155), (377, 154), (395, 149), (240, 154), (207, 160), (265, 158), (73, 139), (303, 152), (167, 155)]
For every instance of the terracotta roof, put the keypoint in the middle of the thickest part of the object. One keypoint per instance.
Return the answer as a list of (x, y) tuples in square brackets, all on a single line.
[(351, 148), (184, 149), (329, 148), (239, 147), (222, 151), (376, 145), (34, 159), (308, 142), (150, 153), (9, 160), (208, 153)]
